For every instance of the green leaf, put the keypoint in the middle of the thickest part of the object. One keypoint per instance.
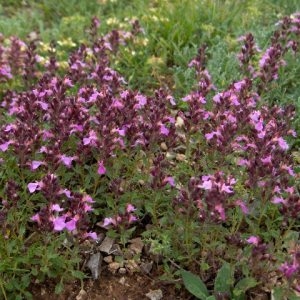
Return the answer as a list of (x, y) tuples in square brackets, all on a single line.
[(78, 274), (243, 285), (59, 288), (211, 298), (224, 279), (194, 285)]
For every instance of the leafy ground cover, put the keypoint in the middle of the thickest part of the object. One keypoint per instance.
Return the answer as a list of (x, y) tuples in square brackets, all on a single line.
[(178, 126)]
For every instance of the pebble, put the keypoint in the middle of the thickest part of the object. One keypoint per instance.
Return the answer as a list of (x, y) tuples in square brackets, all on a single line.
[(180, 157), (116, 250), (108, 259), (113, 267), (154, 295), (164, 146), (122, 271), (146, 267), (94, 264), (136, 245), (106, 245), (122, 280), (82, 295), (132, 266)]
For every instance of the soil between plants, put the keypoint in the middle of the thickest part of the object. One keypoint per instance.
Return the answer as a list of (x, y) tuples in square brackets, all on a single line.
[(111, 287)]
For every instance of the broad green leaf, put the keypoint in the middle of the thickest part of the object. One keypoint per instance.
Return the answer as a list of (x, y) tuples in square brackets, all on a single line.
[(194, 285), (243, 285), (224, 279), (211, 298)]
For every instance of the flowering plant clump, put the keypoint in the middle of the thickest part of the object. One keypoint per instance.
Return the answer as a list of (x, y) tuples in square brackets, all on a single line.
[(216, 180)]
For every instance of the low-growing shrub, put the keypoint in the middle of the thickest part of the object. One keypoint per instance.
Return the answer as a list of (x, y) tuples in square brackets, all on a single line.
[(211, 173)]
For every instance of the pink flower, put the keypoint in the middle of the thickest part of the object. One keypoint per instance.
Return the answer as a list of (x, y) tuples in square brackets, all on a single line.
[(220, 209), (36, 218), (56, 207), (87, 198), (101, 168), (132, 219), (142, 101), (289, 170), (108, 221), (4, 146), (33, 186), (92, 139), (59, 223), (206, 185), (164, 130), (67, 160), (282, 143), (66, 192), (266, 160), (35, 164), (254, 240), (226, 188), (130, 208), (243, 162), (288, 269), (243, 206), (277, 200), (169, 180), (87, 207), (92, 235), (71, 225)]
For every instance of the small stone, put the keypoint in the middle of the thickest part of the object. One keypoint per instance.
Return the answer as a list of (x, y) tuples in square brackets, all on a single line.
[(164, 146), (82, 295), (116, 250), (122, 280), (94, 264), (122, 271), (113, 267), (180, 157), (179, 122), (146, 267), (106, 245), (136, 245), (155, 295), (108, 259), (132, 266)]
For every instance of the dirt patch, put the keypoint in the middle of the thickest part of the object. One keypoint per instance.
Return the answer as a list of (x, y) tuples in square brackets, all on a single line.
[(111, 287)]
